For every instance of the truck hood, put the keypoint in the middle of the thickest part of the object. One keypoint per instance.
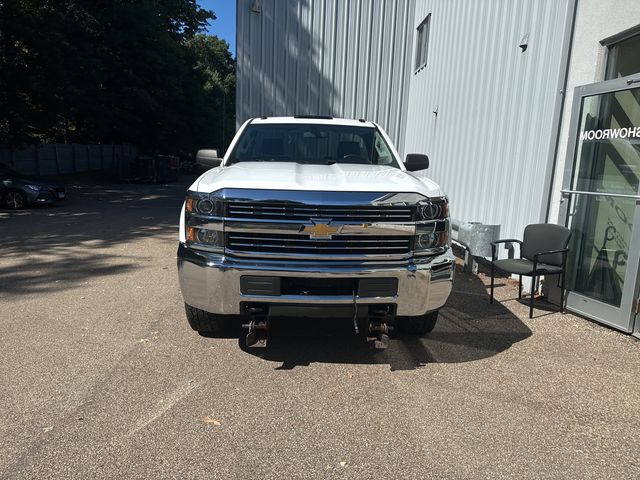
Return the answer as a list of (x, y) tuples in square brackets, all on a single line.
[(336, 178)]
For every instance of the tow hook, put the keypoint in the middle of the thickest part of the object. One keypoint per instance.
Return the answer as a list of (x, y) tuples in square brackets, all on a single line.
[(378, 331), (258, 328), (355, 314)]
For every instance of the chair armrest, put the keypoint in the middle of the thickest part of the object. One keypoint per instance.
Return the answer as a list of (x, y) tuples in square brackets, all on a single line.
[(564, 252), (550, 252), (495, 243), (506, 240)]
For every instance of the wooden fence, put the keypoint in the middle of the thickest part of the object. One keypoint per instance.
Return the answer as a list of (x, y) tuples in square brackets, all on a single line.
[(55, 159)]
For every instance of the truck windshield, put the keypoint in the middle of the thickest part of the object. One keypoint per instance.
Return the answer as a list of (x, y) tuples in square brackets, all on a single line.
[(315, 144)]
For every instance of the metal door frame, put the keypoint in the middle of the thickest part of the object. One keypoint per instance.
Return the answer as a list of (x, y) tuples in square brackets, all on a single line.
[(635, 314), (577, 303)]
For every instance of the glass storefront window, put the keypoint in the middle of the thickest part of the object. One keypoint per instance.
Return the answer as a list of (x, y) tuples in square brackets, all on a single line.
[(607, 162), (608, 156), (623, 58)]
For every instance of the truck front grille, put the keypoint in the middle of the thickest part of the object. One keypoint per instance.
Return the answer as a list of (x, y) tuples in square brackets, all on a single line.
[(298, 212), (338, 246)]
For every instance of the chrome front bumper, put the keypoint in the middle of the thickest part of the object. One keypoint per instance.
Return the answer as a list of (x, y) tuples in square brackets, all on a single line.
[(211, 282)]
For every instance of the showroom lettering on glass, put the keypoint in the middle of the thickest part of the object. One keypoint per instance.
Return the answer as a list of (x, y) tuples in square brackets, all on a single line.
[(625, 132)]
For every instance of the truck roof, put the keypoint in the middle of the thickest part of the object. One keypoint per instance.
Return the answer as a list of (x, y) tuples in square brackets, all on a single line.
[(313, 119)]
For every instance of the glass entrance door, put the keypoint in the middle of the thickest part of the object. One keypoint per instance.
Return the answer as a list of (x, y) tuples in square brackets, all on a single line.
[(602, 202)]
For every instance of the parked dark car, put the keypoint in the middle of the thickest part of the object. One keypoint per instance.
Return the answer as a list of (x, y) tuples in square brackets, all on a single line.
[(18, 190)]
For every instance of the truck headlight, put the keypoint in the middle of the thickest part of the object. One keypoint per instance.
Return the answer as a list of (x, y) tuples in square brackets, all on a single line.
[(433, 209), (433, 228), (204, 222), (203, 203), (205, 236), (434, 238)]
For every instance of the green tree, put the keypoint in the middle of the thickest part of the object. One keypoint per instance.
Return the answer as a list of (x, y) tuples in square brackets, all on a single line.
[(31, 54), (113, 71), (214, 62)]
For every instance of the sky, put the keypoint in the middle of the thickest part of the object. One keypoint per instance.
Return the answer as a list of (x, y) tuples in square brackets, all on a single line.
[(225, 25)]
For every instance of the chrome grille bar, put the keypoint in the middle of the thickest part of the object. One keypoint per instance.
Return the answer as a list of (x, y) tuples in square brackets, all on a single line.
[(342, 245), (306, 239), (305, 212)]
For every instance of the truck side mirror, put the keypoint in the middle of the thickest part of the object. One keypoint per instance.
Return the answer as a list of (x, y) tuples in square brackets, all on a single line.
[(208, 158), (416, 161)]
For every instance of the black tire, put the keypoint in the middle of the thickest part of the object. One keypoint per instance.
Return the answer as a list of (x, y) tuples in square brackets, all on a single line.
[(418, 325), (205, 322), (14, 200)]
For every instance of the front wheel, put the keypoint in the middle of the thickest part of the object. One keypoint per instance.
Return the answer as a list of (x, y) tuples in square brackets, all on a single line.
[(418, 325), (14, 199), (205, 322)]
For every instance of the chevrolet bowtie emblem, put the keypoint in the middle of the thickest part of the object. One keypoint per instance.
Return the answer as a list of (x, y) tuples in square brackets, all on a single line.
[(320, 229)]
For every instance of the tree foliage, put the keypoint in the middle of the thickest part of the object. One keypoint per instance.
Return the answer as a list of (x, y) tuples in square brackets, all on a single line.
[(136, 71), (213, 61)]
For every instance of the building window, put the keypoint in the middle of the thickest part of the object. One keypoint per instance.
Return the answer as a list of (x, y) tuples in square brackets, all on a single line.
[(422, 44), (623, 58)]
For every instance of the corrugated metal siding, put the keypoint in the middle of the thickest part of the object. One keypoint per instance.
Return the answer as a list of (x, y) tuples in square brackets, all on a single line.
[(345, 58), (489, 143)]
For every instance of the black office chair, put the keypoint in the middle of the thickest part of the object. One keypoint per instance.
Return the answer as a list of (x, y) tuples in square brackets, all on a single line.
[(543, 251)]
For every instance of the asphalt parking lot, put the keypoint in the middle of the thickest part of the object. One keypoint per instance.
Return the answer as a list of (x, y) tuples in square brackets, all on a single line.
[(101, 377)]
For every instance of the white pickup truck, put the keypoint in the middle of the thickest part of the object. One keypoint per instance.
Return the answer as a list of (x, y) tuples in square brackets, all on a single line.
[(315, 217)]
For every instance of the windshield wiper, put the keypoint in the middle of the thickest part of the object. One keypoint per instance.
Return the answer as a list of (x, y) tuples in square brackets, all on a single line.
[(316, 162)]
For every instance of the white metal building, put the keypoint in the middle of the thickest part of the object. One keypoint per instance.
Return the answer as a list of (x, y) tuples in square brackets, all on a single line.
[(338, 58), (494, 92)]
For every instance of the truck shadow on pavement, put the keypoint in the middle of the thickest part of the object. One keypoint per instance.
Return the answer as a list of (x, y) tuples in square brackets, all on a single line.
[(100, 231), (469, 329)]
